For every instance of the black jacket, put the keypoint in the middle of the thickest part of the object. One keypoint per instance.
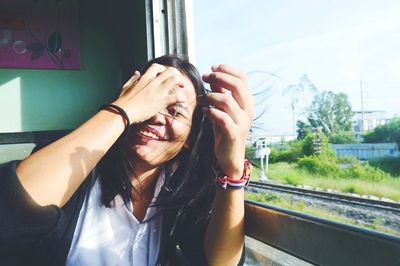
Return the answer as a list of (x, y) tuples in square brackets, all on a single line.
[(35, 235)]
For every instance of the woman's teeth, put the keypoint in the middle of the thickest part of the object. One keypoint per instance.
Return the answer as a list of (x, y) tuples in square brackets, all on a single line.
[(149, 134)]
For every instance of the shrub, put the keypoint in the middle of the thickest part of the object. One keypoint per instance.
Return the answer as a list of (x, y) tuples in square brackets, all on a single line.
[(347, 160), (389, 165), (364, 171), (349, 189), (293, 150), (319, 165), (285, 155), (342, 137), (292, 179), (307, 146), (325, 150), (326, 166), (389, 132)]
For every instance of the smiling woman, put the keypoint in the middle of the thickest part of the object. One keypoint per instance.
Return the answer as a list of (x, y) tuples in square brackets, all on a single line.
[(139, 179)]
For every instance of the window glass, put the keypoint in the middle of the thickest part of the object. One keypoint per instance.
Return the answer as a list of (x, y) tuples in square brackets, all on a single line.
[(326, 80)]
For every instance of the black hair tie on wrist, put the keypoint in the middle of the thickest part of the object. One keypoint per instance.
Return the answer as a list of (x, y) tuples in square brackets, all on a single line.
[(120, 111)]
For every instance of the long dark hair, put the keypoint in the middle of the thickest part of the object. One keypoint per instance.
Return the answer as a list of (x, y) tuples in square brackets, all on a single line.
[(188, 189)]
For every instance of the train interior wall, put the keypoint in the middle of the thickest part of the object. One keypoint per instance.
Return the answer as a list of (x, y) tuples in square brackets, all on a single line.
[(112, 44)]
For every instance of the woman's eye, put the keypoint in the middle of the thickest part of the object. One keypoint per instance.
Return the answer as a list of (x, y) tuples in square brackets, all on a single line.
[(174, 112), (177, 114)]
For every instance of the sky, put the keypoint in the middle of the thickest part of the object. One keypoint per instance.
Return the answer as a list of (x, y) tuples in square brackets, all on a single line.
[(336, 43)]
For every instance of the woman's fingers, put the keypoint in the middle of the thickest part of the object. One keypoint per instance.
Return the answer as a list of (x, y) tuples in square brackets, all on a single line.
[(131, 82), (224, 102), (133, 79), (153, 71), (164, 82), (170, 83), (229, 70), (224, 78), (221, 119), (170, 78), (220, 81)]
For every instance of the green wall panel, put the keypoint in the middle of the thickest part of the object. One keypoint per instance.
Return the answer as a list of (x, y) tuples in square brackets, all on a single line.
[(36, 100)]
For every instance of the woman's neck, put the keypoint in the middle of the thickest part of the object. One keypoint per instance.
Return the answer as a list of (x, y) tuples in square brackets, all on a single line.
[(144, 182), (145, 177)]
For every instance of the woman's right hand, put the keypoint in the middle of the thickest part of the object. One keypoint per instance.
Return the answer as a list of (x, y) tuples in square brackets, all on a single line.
[(144, 96)]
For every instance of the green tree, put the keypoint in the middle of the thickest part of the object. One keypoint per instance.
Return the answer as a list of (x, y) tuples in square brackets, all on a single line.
[(331, 112), (385, 133), (303, 129), (342, 137), (299, 90)]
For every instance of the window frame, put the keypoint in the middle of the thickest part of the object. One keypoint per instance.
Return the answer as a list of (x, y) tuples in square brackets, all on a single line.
[(170, 28)]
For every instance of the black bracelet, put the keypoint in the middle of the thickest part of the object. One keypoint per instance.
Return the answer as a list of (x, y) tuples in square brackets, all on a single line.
[(120, 111)]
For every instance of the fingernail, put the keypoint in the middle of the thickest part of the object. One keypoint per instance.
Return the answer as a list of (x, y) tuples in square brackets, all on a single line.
[(214, 67)]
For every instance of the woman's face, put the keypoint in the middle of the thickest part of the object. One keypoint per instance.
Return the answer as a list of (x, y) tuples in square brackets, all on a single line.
[(160, 138)]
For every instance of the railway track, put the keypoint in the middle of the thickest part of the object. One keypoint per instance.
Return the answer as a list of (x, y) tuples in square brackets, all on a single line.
[(390, 206)]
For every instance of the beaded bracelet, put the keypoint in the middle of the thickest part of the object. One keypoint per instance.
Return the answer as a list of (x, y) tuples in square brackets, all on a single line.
[(120, 111)]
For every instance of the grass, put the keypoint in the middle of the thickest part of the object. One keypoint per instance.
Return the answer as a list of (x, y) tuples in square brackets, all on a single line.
[(285, 202), (289, 174)]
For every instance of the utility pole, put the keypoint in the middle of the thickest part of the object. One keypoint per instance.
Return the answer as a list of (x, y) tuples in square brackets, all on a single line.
[(263, 177), (362, 107), (293, 120), (261, 152)]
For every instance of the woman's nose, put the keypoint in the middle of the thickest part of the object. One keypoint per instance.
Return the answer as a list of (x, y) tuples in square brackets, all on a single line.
[(159, 118)]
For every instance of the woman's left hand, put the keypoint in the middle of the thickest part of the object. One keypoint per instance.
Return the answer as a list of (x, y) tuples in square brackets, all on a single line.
[(232, 112)]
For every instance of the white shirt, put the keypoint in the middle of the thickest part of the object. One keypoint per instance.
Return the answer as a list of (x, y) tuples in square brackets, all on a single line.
[(113, 236)]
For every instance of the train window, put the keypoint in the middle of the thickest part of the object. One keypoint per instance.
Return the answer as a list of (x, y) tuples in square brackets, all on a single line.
[(325, 77)]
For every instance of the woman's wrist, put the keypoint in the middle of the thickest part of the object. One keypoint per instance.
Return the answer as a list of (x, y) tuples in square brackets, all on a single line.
[(134, 117), (112, 120), (113, 108), (226, 181), (233, 169)]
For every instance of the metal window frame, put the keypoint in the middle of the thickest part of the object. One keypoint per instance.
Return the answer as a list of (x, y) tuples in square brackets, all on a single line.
[(170, 28), (319, 241)]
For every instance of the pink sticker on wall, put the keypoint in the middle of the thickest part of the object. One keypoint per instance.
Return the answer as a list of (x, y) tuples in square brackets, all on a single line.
[(39, 34)]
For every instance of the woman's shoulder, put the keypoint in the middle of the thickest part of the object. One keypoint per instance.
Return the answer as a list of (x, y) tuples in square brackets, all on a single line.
[(34, 228), (19, 207)]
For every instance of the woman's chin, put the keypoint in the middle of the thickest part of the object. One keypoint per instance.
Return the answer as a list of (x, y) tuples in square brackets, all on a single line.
[(152, 155), (148, 155)]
